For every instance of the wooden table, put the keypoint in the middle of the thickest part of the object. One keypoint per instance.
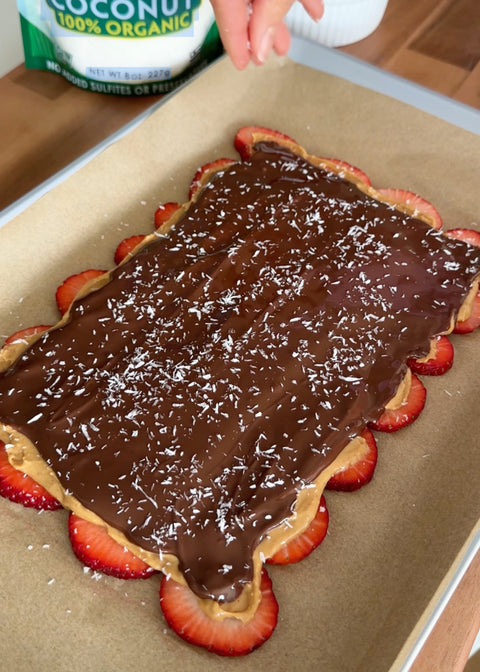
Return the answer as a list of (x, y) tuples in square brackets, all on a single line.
[(435, 43)]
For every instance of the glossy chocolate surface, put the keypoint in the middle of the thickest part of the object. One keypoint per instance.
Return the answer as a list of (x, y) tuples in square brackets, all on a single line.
[(190, 399)]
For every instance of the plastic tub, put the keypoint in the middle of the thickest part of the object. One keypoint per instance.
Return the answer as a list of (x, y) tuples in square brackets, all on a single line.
[(343, 22)]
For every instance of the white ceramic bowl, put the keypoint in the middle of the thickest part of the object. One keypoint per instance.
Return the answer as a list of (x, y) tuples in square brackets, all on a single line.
[(343, 22)]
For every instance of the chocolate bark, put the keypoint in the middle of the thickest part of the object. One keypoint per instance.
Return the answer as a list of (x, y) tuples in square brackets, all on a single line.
[(190, 399)]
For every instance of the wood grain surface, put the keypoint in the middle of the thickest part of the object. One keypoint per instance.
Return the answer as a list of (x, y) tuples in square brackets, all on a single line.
[(435, 43), (45, 123), (448, 647)]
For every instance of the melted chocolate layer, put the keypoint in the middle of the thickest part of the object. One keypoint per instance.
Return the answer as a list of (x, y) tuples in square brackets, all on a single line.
[(226, 365)]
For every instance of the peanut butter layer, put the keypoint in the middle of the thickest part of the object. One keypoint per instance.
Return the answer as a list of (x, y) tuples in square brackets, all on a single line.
[(191, 399)]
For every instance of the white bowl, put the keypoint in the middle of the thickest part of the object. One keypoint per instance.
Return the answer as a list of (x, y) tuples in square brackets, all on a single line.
[(343, 22)]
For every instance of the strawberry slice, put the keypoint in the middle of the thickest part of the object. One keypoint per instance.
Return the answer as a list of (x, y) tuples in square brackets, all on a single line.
[(417, 203), (344, 165), (473, 321), (203, 172), (248, 135), (126, 247), (393, 419), (227, 637), (440, 361), (96, 549), (164, 212), (302, 545), (67, 291), (360, 472), (467, 235), (23, 335), (22, 489)]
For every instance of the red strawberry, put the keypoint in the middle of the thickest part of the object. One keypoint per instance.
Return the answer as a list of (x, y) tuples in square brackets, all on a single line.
[(248, 135), (361, 472), (467, 235), (126, 247), (416, 202), (164, 212), (228, 637), (20, 488), (67, 291), (343, 165), (473, 321), (203, 172), (23, 335), (410, 409), (96, 549), (299, 547), (440, 362)]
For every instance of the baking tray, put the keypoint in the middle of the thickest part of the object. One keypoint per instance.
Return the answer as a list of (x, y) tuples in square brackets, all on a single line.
[(349, 69)]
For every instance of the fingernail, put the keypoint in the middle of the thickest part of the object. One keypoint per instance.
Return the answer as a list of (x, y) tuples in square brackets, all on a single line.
[(266, 44)]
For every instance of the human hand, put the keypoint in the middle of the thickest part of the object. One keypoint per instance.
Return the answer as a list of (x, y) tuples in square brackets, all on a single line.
[(251, 29)]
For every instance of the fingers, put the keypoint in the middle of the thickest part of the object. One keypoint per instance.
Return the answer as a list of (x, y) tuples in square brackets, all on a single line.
[(266, 28), (281, 42), (250, 29), (314, 8), (232, 20)]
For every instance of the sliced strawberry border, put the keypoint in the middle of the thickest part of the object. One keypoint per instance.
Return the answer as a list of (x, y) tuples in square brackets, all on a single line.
[(227, 637), (126, 247), (204, 171), (70, 288), (164, 212), (341, 165), (352, 169), (472, 237), (96, 549), (437, 364), (392, 420), (413, 202), (24, 335), (246, 137), (21, 488), (473, 320), (305, 543), (360, 472)]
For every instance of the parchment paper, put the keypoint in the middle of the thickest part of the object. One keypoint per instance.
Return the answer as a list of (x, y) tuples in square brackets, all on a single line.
[(355, 602)]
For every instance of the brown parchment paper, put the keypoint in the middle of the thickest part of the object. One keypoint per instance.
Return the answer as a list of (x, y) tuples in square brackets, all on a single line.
[(357, 602)]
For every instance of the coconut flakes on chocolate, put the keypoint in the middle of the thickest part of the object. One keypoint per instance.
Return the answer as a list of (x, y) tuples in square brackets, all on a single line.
[(188, 401)]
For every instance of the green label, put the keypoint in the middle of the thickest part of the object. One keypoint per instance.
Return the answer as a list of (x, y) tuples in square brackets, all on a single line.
[(124, 18)]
